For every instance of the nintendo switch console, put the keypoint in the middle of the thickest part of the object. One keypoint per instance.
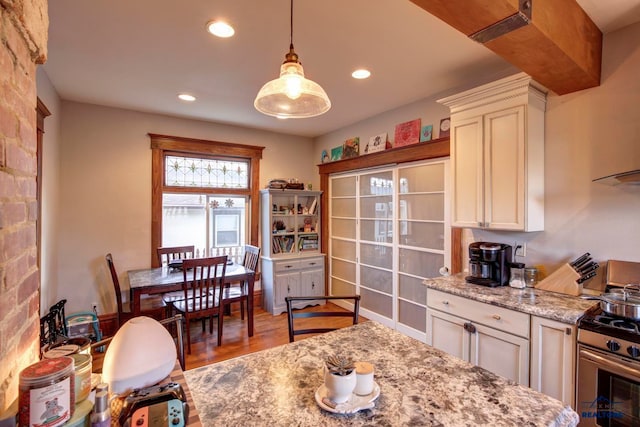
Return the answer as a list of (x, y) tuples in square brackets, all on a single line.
[(156, 406)]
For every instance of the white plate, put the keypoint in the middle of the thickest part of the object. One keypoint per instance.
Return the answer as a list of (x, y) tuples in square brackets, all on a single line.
[(354, 404)]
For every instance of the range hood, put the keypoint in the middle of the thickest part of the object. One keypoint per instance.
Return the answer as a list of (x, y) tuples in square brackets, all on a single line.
[(629, 178)]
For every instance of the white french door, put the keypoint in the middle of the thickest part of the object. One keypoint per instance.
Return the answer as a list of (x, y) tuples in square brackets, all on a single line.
[(388, 232)]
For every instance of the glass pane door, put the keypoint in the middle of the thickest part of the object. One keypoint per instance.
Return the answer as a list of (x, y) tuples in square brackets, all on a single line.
[(421, 238), (376, 241), (342, 226)]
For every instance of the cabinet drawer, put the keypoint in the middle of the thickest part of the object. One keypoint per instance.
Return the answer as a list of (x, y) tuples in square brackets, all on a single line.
[(513, 322), (291, 265), (312, 263)]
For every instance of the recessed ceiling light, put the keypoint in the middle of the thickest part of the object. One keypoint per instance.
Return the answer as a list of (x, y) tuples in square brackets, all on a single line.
[(187, 97), (220, 29), (361, 74)]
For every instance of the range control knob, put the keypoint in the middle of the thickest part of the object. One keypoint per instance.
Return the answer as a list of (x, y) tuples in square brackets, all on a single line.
[(613, 345), (633, 351)]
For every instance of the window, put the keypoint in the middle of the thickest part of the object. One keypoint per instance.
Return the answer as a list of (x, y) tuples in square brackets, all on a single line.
[(204, 193)]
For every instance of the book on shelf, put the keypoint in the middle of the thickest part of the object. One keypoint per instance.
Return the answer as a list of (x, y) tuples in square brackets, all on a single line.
[(308, 243), (282, 244)]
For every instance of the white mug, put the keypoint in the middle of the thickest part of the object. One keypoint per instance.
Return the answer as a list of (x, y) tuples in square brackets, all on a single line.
[(364, 378)]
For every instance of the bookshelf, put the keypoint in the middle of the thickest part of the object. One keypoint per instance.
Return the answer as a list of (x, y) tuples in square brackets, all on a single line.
[(292, 261)]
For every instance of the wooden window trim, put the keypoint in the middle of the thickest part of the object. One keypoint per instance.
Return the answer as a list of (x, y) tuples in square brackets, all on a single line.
[(163, 144), (42, 113)]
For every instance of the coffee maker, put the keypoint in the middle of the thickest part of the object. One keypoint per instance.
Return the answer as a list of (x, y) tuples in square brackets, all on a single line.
[(489, 264)]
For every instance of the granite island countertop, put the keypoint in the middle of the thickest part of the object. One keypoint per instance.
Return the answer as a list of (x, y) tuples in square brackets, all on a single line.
[(420, 386), (551, 305)]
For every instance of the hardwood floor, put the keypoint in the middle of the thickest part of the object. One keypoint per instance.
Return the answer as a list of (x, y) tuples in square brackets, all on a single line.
[(269, 331)]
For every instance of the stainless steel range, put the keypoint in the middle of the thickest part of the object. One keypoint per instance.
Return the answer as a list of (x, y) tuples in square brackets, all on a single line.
[(608, 372)]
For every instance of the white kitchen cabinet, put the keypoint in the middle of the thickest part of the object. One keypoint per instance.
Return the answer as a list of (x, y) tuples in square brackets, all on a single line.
[(291, 277), (553, 354), (447, 333), (491, 337), (497, 155)]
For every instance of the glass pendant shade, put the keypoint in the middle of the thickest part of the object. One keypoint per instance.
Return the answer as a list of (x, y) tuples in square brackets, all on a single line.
[(292, 95)]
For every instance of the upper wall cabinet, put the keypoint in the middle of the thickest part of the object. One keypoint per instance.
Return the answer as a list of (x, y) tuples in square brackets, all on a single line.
[(497, 155)]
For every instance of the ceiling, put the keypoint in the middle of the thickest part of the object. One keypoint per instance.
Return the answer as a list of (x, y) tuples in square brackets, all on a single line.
[(141, 54)]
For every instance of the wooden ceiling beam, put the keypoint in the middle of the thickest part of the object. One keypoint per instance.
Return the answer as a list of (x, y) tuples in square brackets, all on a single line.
[(561, 47)]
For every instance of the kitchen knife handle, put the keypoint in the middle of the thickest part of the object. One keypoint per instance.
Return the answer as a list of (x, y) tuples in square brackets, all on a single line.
[(580, 259)]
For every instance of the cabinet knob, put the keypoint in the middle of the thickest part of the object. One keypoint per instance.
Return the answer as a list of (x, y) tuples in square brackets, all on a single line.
[(470, 327), (288, 266), (312, 263), (496, 316), (313, 285), (288, 289), (445, 302)]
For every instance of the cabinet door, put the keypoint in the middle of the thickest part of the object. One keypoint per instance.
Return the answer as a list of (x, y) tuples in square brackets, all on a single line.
[(552, 358), (286, 284), (312, 282), (467, 209), (504, 163), (501, 353), (446, 332)]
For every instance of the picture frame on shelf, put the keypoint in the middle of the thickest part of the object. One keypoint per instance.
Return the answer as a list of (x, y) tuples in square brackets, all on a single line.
[(351, 148), (445, 127), (426, 133), (324, 157), (336, 153), (376, 143), (407, 133)]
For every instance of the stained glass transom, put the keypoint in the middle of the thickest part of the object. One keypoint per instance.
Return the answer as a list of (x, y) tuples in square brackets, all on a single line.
[(207, 173)]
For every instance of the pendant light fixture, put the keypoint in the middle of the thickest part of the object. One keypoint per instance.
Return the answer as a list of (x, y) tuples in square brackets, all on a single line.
[(292, 95)]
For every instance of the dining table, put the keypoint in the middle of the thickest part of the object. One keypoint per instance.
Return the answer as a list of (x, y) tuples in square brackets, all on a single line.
[(164, 279), (414, 385)]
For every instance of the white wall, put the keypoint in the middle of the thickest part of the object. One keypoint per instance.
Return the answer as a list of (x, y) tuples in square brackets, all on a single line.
[(105, 190), (591, 133), (49, 292)]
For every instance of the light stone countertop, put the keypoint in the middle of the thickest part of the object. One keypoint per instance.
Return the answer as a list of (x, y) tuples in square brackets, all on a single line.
[(420, 386), (551, 305)]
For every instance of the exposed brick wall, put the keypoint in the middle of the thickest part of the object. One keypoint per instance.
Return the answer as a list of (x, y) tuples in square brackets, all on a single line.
[(23, 38)]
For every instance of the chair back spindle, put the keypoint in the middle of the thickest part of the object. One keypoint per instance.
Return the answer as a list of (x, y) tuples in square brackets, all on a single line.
[(169, 253)]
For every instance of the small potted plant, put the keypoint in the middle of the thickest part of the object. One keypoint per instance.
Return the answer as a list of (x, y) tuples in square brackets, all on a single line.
[(339, 378)]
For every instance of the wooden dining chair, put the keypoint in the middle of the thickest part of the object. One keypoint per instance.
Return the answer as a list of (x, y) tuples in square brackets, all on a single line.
[(169, 253), (202, 287), (239, 291), (150, 305), (319, 326)]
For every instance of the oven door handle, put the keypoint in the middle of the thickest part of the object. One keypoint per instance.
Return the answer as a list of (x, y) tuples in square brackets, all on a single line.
[(606, 362)]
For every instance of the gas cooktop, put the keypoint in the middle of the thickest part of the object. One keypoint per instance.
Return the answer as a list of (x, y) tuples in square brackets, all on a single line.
[(605, 324)]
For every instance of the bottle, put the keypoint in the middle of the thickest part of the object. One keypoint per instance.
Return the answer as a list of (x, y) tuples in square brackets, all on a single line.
[(517, 275), (101, 416)]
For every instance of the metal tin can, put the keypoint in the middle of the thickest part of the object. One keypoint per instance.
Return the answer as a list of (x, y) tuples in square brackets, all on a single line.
[(46, 392), (82, 376)]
